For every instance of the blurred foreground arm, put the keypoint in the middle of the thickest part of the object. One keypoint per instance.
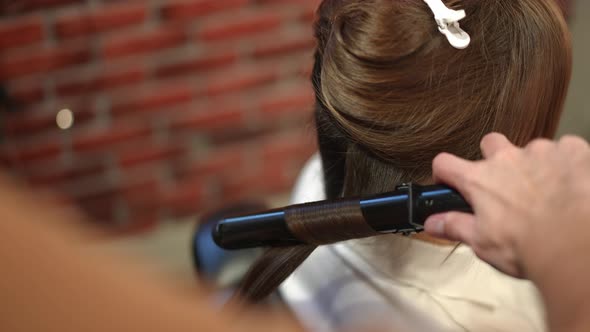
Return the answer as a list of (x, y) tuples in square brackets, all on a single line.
[(51, 281), (531, 218)]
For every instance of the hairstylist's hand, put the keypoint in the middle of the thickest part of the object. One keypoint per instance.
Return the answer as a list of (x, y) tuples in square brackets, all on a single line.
[(525, 201), (531, 212)]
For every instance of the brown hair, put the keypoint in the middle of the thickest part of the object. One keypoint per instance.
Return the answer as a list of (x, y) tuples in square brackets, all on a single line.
[(392, 93)]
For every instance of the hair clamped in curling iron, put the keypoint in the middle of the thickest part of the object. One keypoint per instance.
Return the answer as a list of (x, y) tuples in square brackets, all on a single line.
[(402, 211)]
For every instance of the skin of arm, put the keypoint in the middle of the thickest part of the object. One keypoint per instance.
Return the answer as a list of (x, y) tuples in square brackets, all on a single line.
[(52, 281)]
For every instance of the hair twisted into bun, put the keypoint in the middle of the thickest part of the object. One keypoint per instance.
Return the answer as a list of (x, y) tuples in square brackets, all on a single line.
[(397, 88)]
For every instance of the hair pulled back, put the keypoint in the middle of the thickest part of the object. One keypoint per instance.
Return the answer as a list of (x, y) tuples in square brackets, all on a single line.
[(392, 93)]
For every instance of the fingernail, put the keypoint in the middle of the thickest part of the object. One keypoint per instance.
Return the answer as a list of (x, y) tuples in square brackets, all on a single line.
[(435, 226)]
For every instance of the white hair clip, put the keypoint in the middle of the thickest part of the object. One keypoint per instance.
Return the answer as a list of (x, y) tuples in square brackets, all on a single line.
[(448, 23)]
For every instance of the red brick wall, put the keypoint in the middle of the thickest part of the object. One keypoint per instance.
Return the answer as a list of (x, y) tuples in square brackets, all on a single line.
[(180, 105)]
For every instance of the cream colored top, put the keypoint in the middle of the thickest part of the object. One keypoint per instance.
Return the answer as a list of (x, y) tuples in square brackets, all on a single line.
[(406, 284)]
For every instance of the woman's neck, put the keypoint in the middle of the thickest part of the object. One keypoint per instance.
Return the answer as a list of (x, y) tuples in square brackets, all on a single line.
[(430, 239)]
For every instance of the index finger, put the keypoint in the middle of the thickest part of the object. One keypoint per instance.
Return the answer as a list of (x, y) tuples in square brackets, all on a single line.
[(453, 171)]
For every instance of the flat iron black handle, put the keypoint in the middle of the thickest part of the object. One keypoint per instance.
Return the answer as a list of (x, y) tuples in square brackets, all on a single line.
[(401, 211)]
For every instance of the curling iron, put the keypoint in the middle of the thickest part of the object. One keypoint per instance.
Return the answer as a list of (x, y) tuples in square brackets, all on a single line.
[(403, 211)]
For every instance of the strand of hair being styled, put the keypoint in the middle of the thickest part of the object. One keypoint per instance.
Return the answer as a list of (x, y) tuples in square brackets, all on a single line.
[(313, 225)]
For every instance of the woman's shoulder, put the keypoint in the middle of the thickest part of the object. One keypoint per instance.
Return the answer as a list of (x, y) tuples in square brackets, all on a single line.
[(453, 282), (309, 186)]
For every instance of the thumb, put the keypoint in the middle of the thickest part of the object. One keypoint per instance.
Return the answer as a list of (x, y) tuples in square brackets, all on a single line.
[(453, 226)]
